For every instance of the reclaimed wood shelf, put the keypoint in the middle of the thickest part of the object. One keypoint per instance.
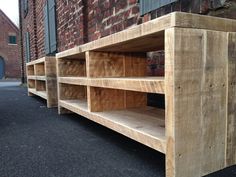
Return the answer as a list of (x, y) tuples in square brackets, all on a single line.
[(106, 81), (42, 80)]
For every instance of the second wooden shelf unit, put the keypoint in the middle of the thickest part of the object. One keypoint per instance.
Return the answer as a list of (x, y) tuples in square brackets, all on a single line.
[(42, 80), (105, 81)]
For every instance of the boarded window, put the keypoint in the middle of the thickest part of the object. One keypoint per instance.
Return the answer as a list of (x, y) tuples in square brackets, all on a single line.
[(149, 5), (25, 7), (50, 27), (27, 47)]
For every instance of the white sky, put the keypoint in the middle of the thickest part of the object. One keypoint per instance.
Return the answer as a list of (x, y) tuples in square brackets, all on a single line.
[(10, 8)]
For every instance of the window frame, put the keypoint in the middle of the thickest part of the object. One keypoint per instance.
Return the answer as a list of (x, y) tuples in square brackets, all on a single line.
[(147, 6), (10, 38)]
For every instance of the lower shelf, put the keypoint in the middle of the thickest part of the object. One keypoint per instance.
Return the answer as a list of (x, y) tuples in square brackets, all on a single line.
[(145, 125), (42, 94)]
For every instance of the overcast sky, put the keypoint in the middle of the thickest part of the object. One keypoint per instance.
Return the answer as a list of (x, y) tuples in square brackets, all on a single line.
[(10, 8)]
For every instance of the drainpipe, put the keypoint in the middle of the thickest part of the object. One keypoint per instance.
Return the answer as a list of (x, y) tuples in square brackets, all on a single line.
[(21, 46)]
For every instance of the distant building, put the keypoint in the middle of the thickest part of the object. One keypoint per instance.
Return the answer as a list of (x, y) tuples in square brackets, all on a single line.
[(9, 51)]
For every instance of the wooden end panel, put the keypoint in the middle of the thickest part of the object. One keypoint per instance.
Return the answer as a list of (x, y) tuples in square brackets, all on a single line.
[(50, 67), (195, 85)]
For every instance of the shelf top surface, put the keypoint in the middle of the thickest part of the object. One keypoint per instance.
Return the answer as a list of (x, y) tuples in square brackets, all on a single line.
[(40, 60), (140, 38)]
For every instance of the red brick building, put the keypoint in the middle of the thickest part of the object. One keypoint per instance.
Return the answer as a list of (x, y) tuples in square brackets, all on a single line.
[(9, 52), (75, 22)]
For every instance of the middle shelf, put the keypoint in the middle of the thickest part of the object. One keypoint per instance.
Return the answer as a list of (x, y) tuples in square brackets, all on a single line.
[(141, 84)]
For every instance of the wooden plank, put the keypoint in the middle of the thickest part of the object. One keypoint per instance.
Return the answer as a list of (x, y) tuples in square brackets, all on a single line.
[(31, 77), (30, 70), (68, 92), (141, 37), (51, 89), (141, 84), (40, 85), (196, 101), (145, 125), (107, 64), (40, 60), (50, 67), (41, 94), (31, 83), (40, 69), (231, 98), (104, 99), (41, 78), (71, 68)]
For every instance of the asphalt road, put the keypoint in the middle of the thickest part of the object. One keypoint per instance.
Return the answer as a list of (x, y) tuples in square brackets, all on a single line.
[(37, 142)]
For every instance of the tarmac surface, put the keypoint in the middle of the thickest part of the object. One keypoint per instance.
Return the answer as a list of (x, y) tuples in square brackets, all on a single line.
[(37, 142)]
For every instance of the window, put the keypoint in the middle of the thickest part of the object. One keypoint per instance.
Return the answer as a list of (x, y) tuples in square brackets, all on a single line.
[(12, 39), (149, 5), (27, 47), (25, 7), (50, 27)]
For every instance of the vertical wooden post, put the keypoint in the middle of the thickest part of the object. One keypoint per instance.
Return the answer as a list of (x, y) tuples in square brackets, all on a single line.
[(195, 79)]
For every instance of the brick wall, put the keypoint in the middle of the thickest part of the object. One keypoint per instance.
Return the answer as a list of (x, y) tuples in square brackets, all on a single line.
[(9, 52), (81, 21)]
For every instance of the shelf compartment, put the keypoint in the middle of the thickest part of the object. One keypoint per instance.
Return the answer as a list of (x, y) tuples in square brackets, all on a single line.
[(145, 125), (41, 94), (140, 84), (71, 67), (72, 92), (30, 70), (31, 83), (40, 85), (40, 69), (116, 64)]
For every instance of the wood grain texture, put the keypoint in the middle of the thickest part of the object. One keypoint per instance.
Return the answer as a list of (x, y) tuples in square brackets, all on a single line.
[(30, 70), (196, 101), (107, 64), (73, 92), (104, 99), (71, 68), (145, 125), (231, 97)]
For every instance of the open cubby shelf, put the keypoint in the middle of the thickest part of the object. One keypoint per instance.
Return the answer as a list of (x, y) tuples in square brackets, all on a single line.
[(42, 79), (106, 81)]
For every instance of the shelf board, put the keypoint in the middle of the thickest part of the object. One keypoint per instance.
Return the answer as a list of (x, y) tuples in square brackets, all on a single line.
[(145, 125), (31, 77), (41, 78), (140, 84), (42, 94)]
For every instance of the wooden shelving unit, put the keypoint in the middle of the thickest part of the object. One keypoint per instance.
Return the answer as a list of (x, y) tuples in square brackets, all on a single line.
[(42, 80), (106, 82)]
